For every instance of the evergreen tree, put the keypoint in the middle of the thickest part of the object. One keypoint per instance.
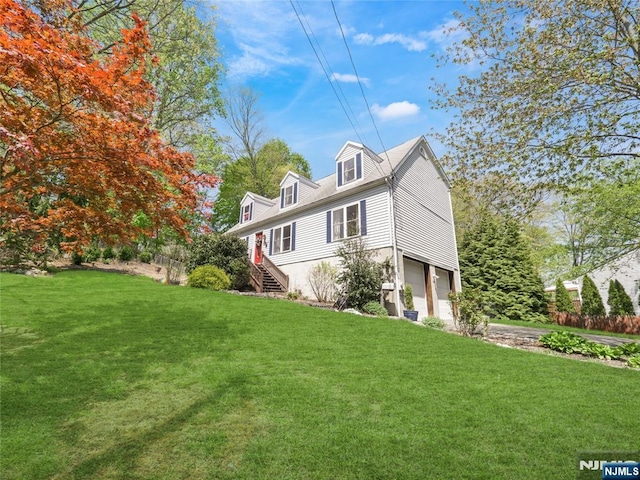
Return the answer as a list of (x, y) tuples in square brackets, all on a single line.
[(496, 261), (591, 299), (564, 303), (619, 302)]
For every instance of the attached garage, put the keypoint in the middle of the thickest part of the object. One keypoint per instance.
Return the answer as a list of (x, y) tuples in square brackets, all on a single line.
[(443, 289), (414, 275)]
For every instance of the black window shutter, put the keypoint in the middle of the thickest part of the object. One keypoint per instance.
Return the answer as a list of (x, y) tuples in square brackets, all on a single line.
[(339, 174), (329, 226), (271, 242), (282, 198), (251, 211), (363, 217), (295, 192), (293, 236), (359, 165)]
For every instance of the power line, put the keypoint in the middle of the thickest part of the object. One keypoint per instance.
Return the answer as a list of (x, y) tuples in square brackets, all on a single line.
[(384, 149), (333, 74), (325, 72)]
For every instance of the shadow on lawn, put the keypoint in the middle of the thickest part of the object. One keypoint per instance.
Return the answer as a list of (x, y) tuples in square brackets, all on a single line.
[(123, 458)]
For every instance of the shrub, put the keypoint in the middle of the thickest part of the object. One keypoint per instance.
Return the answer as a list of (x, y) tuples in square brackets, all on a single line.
[(563, 300), (322, 280), (92, 253), (634, 361), (223, 251), (294, 295), (628, 349), (468, 312), (126, 253), (210, 277), (146, 256), (108, 253), (565, 342), (374, 308), (361, 277), (591, 300), (76, 258), (619, 302), (433, 322), (408, 296)]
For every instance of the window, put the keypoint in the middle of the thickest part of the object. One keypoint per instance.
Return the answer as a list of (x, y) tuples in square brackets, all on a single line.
[(350, 170), (289, 195), (346, 222), (246, 213), (282, 239)]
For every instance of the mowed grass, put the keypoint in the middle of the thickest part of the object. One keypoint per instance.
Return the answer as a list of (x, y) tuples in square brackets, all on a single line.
[(112, 376)]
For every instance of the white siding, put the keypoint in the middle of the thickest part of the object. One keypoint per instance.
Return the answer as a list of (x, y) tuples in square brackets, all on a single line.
[(424, 221), (311, 228)]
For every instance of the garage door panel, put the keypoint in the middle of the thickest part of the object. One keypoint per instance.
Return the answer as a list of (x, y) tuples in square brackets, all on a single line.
[(414, 275)]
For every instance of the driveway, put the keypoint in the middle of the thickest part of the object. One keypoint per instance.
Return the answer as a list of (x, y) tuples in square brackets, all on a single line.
[(532, 334)]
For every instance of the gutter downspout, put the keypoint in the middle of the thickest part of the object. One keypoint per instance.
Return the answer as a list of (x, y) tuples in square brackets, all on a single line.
[(394, 242)]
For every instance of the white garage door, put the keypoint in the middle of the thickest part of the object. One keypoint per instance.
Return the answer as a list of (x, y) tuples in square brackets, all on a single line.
[(414, 275), (443, 288)]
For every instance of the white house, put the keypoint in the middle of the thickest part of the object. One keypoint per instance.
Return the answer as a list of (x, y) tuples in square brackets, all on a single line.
[(398, 201), (626, 270)]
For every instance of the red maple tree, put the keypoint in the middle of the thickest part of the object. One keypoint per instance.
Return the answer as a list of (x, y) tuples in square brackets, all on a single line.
[(78, 156)]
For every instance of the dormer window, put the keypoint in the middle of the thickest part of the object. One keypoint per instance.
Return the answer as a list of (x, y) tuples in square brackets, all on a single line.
[(350, 170), (289, 195), (246, 213)]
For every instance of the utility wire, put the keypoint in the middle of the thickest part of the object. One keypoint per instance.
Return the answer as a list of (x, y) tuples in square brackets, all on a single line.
[(325, 72), (333, 74), (360, 85)]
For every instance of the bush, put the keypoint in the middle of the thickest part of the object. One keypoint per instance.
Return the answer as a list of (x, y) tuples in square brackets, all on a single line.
[(433, 322), (361, 277), (563, 300), (565, 342), (145, 256), (76, 258), (634, 361), (374, 308), (210, 277), (108, 253), (322, 279), (408, 297), (126, 253), (468, 312), (619, 302), (223, 251), (591, 300), (295, 295)]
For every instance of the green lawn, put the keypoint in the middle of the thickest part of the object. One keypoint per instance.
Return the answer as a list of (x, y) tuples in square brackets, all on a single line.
[(112, 376)]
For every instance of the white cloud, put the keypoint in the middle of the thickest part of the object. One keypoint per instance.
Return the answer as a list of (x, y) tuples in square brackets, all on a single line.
[(409, 43), (348, 78), (447, 33), (363, 39), (395, 110)]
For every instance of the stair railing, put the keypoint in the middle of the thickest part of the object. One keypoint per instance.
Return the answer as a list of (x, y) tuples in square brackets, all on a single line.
[(276, 273), (255, 277)]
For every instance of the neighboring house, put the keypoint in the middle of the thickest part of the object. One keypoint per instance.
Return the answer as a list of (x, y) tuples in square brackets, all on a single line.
[(397, 201), (626, 270)]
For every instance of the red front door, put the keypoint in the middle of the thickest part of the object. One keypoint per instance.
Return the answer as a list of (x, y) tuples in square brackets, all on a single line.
[(257, 251)]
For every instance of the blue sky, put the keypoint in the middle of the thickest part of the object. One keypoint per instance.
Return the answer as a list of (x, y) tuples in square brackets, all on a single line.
[(392, 42)]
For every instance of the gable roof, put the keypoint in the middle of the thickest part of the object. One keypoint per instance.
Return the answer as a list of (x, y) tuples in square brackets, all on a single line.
[(386, 163)]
